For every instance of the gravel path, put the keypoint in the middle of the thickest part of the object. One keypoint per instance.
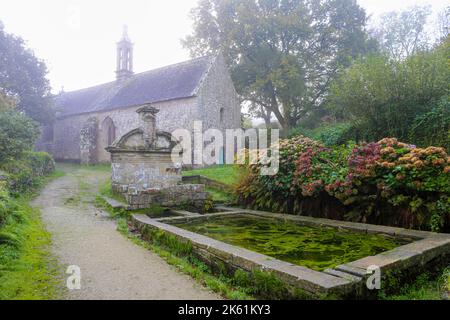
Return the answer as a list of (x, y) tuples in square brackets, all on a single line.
[(112, 267)]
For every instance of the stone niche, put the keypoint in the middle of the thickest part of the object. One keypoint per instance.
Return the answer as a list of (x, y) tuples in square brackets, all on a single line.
[(143, 170)]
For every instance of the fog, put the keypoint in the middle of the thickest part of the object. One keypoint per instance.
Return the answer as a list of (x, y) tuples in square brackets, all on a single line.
[(76, 38)]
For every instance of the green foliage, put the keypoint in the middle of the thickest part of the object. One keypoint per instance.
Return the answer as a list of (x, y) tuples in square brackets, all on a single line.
[(115, 213), (105, 189), (179, 248), (403, 33), (328, 134), (425, 287), (267, 284), (17, 135), (22, 77), (263, 43), (220, 195), (433, 127), (241, 278), (26, 270), (383, 97), (228, 174), (26, 172), (387, 182), (41, 163), (7, 206), (6, 103)]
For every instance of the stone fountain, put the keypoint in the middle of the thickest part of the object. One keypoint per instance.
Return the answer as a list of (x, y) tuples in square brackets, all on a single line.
[(143, 170)]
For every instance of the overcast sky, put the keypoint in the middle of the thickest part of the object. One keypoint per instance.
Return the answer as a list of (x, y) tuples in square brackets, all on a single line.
[(77, 38)]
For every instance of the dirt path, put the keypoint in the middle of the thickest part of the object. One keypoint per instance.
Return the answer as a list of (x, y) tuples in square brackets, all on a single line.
[(111, 266)]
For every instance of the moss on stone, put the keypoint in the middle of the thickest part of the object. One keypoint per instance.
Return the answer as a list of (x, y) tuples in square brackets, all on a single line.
[(312, 247)]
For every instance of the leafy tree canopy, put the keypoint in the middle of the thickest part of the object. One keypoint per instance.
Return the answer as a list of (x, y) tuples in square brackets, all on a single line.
[(402, 33), (22, 78), (17, 135), (283, 54)]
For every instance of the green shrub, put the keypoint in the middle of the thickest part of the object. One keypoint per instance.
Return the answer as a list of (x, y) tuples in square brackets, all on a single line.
[(384, 97), (267, 285), (17, 135), (433, 128), (41, 163), (6, 204), (335, 135), (241, 278), (26, 173), (329, 134)]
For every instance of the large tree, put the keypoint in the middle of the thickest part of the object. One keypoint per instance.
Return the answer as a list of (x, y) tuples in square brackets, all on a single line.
[(443, 24), (403, 33), (283, 54), (23, 78)]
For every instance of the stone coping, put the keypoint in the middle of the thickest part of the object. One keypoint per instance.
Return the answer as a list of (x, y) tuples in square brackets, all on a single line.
[(138, 150), (310, 280), (343, 279), (354, 226)]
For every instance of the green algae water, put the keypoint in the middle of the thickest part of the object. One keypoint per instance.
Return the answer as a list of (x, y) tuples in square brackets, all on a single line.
[(317, 248)]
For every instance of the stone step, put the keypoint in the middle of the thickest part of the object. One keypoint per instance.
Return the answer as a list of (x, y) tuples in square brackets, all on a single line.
[(186, 213), (343, 275), (115, 204)]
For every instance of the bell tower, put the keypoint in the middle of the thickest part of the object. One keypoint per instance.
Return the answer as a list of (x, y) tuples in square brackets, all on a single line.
[(124, 56)]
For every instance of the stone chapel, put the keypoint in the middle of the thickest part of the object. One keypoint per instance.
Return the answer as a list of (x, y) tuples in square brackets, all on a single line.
[(89, 120)]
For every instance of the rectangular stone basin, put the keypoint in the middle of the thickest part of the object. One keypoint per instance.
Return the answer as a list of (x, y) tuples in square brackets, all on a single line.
[(319, 256), (314, 247)]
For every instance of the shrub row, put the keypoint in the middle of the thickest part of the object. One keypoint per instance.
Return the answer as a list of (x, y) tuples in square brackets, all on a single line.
[(429, 128), (21, 176), (24, 173), (7, 206), (386, 182)]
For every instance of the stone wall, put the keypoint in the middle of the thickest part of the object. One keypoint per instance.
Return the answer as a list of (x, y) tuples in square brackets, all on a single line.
[(66, 144), (183, 194), (216, 92), (134, 171)]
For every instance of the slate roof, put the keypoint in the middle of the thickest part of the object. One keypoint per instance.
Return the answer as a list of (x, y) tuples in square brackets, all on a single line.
[(168, 83)]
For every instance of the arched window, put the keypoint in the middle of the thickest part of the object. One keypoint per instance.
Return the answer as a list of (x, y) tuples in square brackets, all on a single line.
[(109, 131), (222, 113)]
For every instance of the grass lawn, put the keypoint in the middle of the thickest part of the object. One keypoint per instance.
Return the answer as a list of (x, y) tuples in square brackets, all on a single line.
[(228, 174), (27, 269)]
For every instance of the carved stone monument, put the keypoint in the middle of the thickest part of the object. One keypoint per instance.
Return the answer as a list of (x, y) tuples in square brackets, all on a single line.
[(143, 170)]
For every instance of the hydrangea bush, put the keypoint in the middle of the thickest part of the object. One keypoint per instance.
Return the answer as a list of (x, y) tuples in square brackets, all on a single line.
[(386, 182)]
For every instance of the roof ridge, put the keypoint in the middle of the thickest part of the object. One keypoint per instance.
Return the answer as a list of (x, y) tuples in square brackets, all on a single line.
[(175, 81), (139, 74), (205, 75), (174, 65)]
